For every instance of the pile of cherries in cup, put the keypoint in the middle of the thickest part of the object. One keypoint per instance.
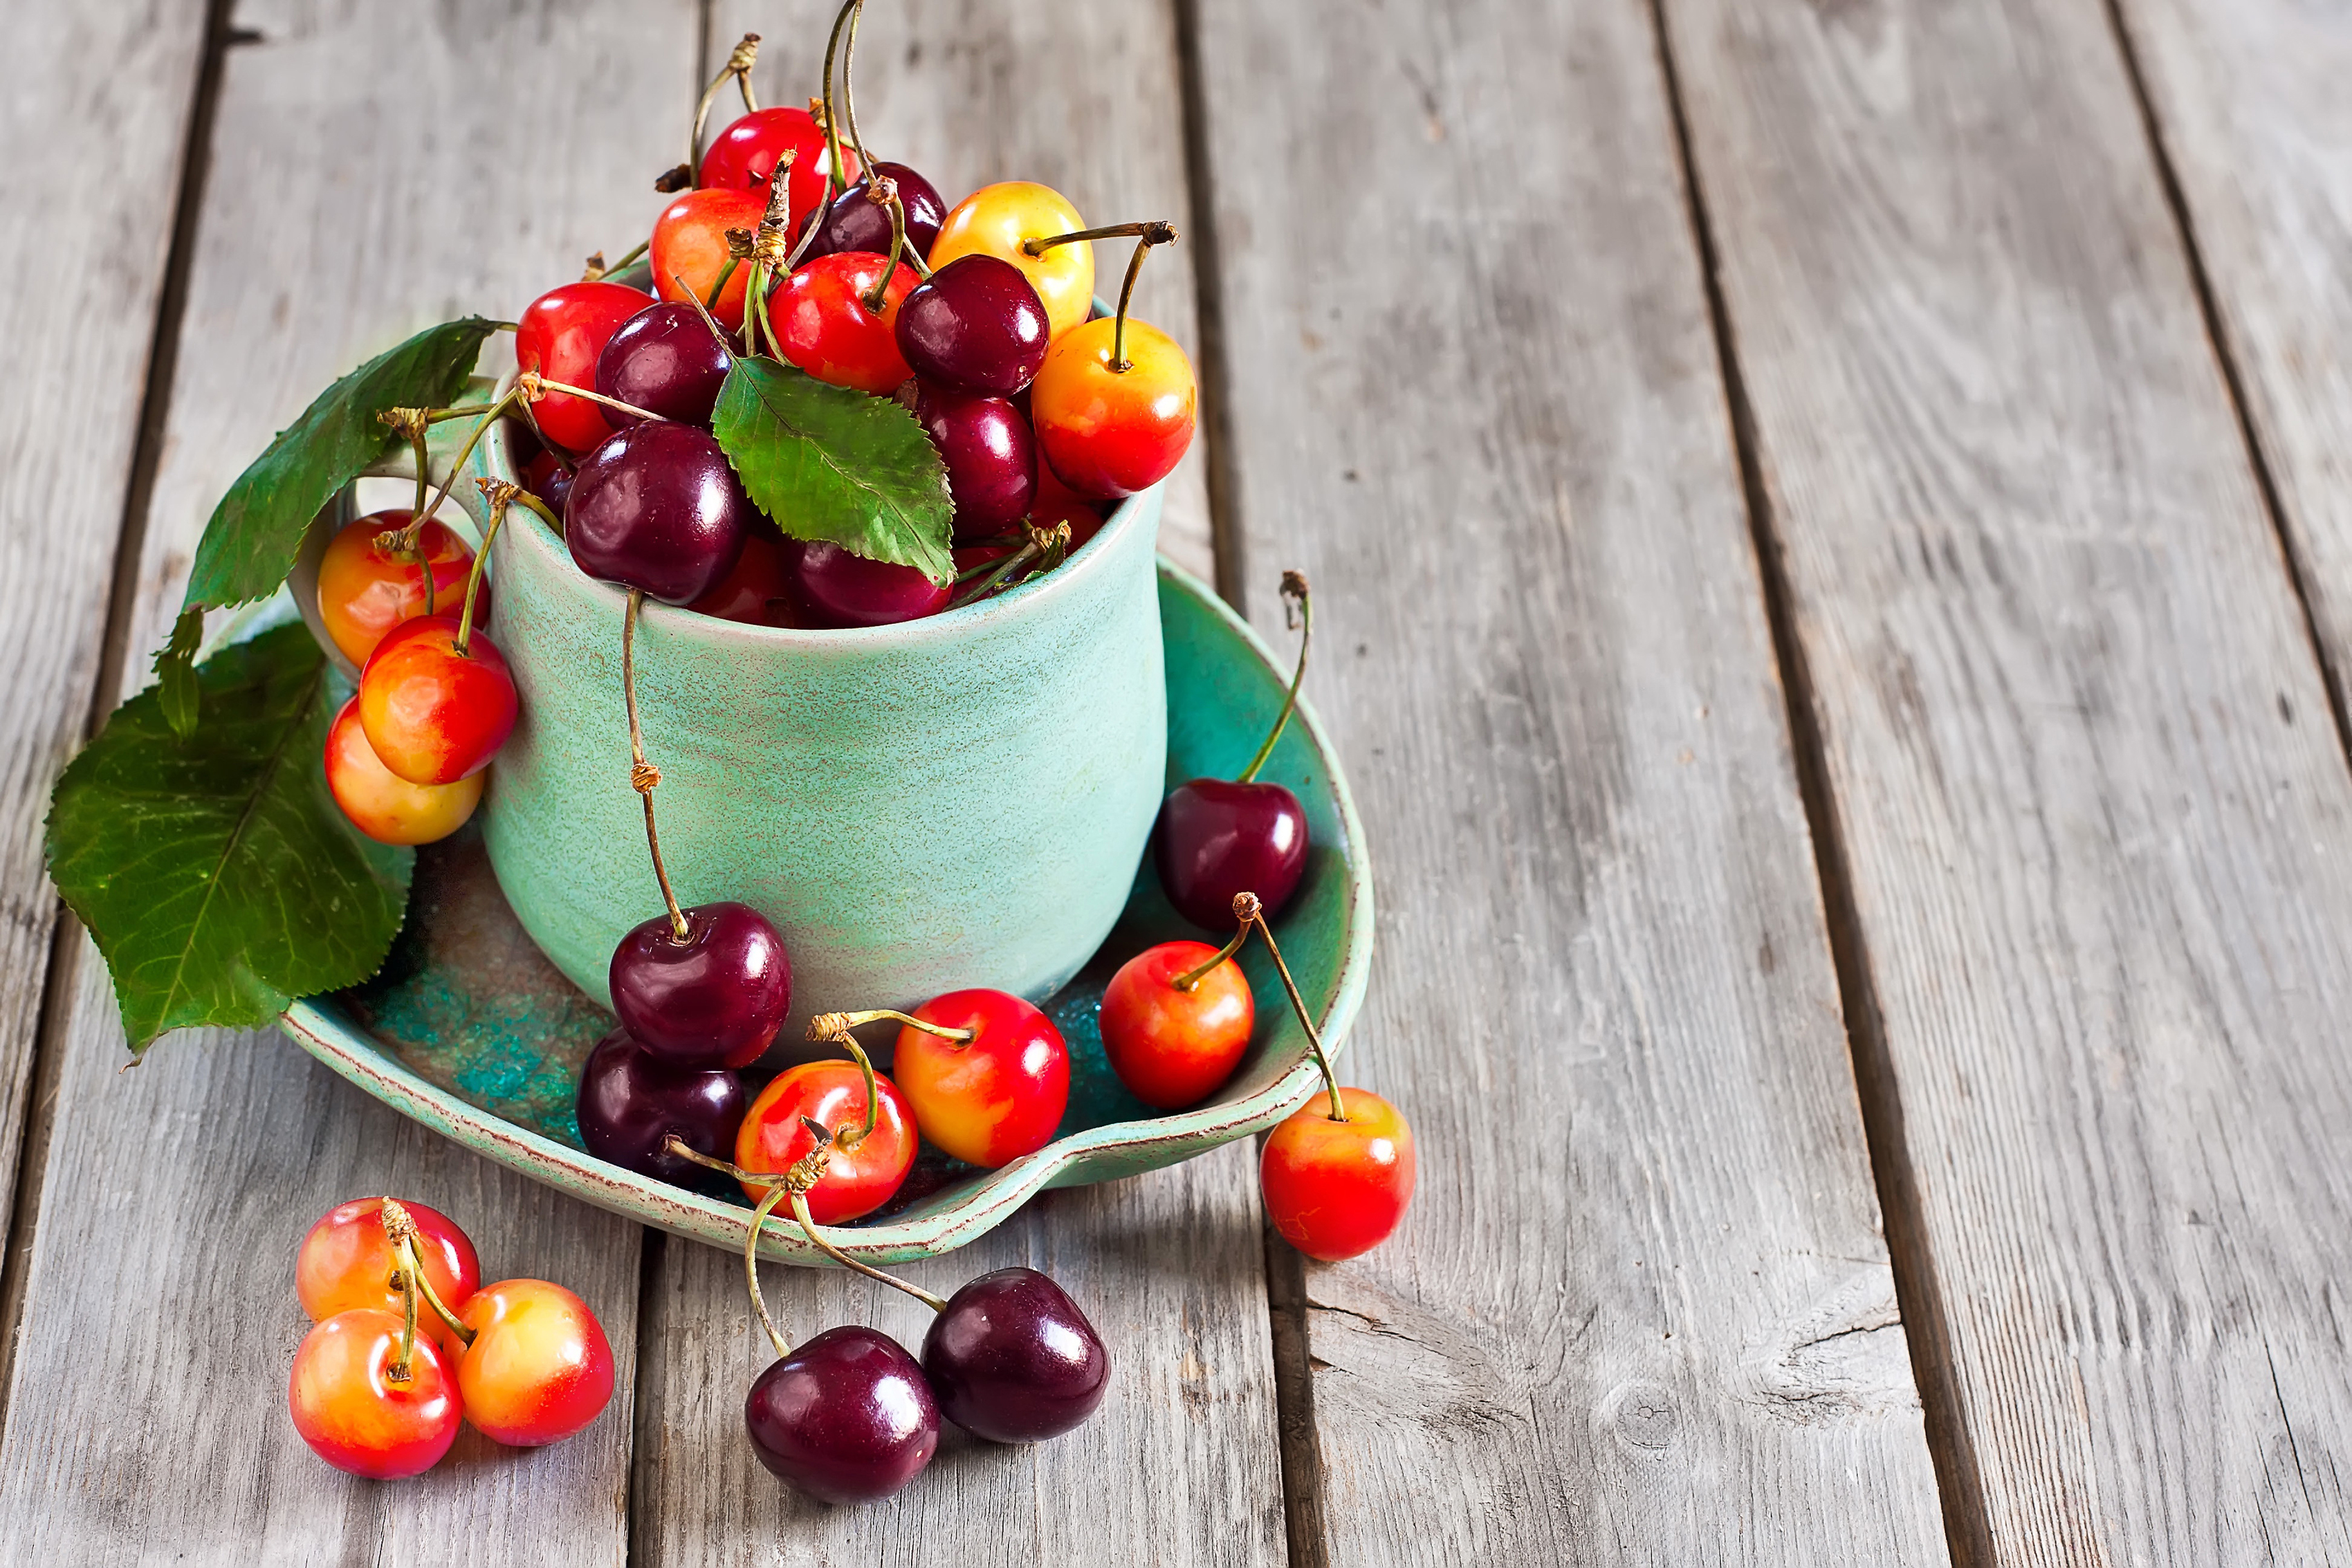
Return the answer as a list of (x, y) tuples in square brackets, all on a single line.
[(978, 318)]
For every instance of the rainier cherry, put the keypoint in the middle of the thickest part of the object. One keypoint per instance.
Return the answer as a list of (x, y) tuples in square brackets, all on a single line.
[(1175, 1021), (867, 1165), (1000, 220), (436, 705), (365, 1409), (560, 336), (1116, 401), (366, 590), (538, 1368), (690, 252), (380, 802), (986, 1072), (824, 320), (347, 1260)]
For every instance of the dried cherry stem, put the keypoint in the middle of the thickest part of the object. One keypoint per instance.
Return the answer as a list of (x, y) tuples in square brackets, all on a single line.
[(532, 386), (1191, 977), (412, 422), (1250, 912), (399, 1228), (835, 1031), (808, 1226), (500, 493), (739, 67), (769, 255), (644, 776), (1297, 609), (473, 439), (837, 172)]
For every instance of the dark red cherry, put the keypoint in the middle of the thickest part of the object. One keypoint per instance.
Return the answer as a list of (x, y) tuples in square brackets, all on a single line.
[(839, 588), (845, 1416), (1217, 838), (656, 506), (715, 999), (548, 477), (990, 455), (977, 325), (632, 1103), (663, 359), (853, 223), (1011, 1359)]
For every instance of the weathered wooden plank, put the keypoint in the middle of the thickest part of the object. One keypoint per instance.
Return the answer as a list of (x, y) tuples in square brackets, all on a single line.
[(99, 101), (1641, 1312), (373, 170), (2084, 777), (1180, 1466), (1082, 97)]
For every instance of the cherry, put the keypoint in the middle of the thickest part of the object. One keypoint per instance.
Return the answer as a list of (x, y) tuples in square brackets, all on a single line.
[(846, 1416), (998, 220), (711, 997), (990, 457), (631, 1103), (1058, 503), (380, 802), (689, 251), (355, 1414), (758, 590), (1338, 1187), (864, 1171), (824, 323), (539, 1367), (366, 590), (560, 335), (1175, 1021), (548, 477), (1217, 838), (435, 708), (657, 508), (976, 325), (1110, 431), (856, 221), (744, 156), (666, 360), (347, 1261), (840, 588), (1011, 1358), (986, 1072)]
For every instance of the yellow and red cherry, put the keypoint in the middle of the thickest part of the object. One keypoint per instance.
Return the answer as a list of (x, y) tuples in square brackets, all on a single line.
[(998, 220), (711, 996), (743, 157), (1336, 1188), (976, 325), (1175, 1023), (689, 253), (434, 711), (994, 1095), (347, 1261), (539, 1368), (380, 802), (366, 590), (824, 320), (990, 457), (356, 1415), (838, 589), (560, 335), (863, 1172), (1110, 432)]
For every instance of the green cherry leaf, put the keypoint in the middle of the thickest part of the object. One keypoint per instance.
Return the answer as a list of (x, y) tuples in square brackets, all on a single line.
[(215, 872), (175, 673), (830, 464), (251, 542)]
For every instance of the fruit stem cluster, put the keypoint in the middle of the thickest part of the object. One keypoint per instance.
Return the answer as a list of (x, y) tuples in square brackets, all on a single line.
[(411, 1280), (1298, 610), (644, 776)]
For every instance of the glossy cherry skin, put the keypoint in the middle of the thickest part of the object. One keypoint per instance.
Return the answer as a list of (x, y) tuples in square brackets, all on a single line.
[(1113, 432), (976, 325), (996, 1097), (434, 715), (539, 1367), (1338, 1188), (758, 590), (743, 158), (665, 360), (823, 325), (632, 1103), (658, 507), (996, 220), (380, 802), (560, 335), (854, 223), (346, 1261), (1217, 837), (845, 1416), (365, 591), (548, 477), (990, 457), (838, 589), (354, 1416), (715, 999), (688, 249), (1013, 1360), (858, 1180), (1171, 1048)]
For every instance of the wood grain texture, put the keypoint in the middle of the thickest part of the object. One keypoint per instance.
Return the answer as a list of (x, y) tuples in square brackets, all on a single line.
[(1181, 1465), (98, 103), (2095, 815), (2249, 99), (372, 173), (1641, 1310), (1083, 98)]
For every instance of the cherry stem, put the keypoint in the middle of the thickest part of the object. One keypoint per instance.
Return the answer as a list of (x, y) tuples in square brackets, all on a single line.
[(720, 287), (1153, 234), (1043, 542), (473, 439), (873, 185), (534, 386), (1191, 977), (801, 1212), (1297, 609), (501, 492), (1041, 244), (1250, 912), (840, 174), (828, 1026), (644, 776), (707, 319), (623, 264), (767, 1205), (879, 189), (400, 1229), (436, 415), (836, 1032), (738, 67), (545, 514)]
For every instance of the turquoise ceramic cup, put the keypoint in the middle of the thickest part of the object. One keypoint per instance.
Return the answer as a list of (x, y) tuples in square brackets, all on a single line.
[(956, 802)]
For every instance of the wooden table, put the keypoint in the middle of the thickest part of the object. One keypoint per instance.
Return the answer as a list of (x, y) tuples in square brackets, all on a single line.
[(1833, 526)]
